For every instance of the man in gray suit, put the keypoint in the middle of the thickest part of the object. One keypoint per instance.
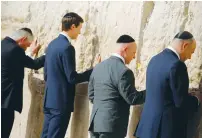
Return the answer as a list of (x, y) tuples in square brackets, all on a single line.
[(111, 90)]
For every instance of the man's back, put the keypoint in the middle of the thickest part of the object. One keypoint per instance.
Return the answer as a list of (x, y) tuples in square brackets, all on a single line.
[(106, 78), (12, 74), (58, 90), (111, 89), (60, 74), (13, 62), (159, 93), (167, 93)]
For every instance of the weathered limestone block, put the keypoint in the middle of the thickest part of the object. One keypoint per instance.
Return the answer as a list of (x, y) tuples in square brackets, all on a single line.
[(135, 112), (80, 116), (35, 118)]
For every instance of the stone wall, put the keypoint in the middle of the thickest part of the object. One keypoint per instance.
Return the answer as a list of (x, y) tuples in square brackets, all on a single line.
[(152, 24)]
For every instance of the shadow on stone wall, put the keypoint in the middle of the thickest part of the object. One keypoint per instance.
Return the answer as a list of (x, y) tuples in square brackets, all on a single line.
[(195, 122)]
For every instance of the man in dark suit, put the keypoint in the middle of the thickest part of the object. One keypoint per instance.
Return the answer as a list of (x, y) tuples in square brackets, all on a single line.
[(61, 77), (13, 62), (167, 102), (111, 90)]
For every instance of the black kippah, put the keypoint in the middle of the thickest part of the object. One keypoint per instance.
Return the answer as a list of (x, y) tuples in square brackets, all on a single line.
[(125, 39), (184, 35)]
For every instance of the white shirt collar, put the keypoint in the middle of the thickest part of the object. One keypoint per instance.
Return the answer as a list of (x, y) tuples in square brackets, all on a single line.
[(171, 48), (119, 56), (70, 40)]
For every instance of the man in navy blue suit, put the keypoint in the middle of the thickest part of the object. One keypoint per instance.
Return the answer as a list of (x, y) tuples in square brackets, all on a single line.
[(13, 62), (61, 76), (167, 102)]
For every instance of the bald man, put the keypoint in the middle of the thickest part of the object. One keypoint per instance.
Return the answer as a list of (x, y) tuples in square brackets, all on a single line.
[(111, 90), (166, 108)]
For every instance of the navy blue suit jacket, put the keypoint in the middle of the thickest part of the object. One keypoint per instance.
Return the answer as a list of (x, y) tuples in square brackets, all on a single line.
[(167, 100), (13, 62), (60, 75)]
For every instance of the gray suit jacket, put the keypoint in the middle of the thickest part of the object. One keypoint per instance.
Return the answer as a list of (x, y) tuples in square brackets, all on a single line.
[(111, 90)]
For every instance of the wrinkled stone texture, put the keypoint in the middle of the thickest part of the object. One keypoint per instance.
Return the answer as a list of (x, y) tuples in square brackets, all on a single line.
[(152, 24)]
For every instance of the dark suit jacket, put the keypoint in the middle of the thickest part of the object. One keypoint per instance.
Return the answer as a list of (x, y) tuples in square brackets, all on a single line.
[(111, 90), (60, 75), (13, 61), (167, 102)]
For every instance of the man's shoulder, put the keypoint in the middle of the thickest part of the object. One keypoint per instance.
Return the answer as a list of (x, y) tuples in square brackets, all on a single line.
[(5, 44), (165, 58), (59, 44), (116, 65), (60, 40), (163, 63), (16, 50)]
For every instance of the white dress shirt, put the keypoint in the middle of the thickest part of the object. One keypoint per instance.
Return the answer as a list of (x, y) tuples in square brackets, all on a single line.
[(119, 56), (171, 48), (63, 33)]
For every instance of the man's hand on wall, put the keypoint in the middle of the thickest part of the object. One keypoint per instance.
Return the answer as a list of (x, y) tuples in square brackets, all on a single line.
[(197, 94), (98, 58), (35, 47)]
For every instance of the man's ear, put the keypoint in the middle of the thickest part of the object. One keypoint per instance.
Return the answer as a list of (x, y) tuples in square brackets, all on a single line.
[(23, 39), (72, 26), (185, 45), (125, 47)]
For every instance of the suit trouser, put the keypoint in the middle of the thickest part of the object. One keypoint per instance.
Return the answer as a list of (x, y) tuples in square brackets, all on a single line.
[(105, 135), (55, 123), (7, 119)]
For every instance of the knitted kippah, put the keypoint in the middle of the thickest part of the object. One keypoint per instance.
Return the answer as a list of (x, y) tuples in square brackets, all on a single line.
[(184, 35)]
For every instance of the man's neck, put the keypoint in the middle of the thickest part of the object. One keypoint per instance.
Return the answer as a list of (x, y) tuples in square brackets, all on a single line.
[(67, 35), (119, 55), (174, 50)]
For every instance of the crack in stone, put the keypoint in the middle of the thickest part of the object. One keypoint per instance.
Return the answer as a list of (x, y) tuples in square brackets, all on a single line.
[(148, 8), (185, 14)]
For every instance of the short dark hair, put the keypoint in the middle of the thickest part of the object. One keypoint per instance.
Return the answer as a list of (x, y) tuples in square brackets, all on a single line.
[(27, 30), (69, 19), (125, 39)]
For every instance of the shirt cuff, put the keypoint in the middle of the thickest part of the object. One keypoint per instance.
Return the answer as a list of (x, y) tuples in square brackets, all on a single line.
[(29, 54), (198, 100)]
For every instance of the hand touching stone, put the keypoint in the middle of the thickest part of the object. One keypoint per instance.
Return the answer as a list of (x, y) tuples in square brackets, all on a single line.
[(98, 58), (196, 94), (34, 47)]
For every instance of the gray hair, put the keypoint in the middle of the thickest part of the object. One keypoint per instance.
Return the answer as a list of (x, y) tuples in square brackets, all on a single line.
[(177, 40), (22, 33)]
